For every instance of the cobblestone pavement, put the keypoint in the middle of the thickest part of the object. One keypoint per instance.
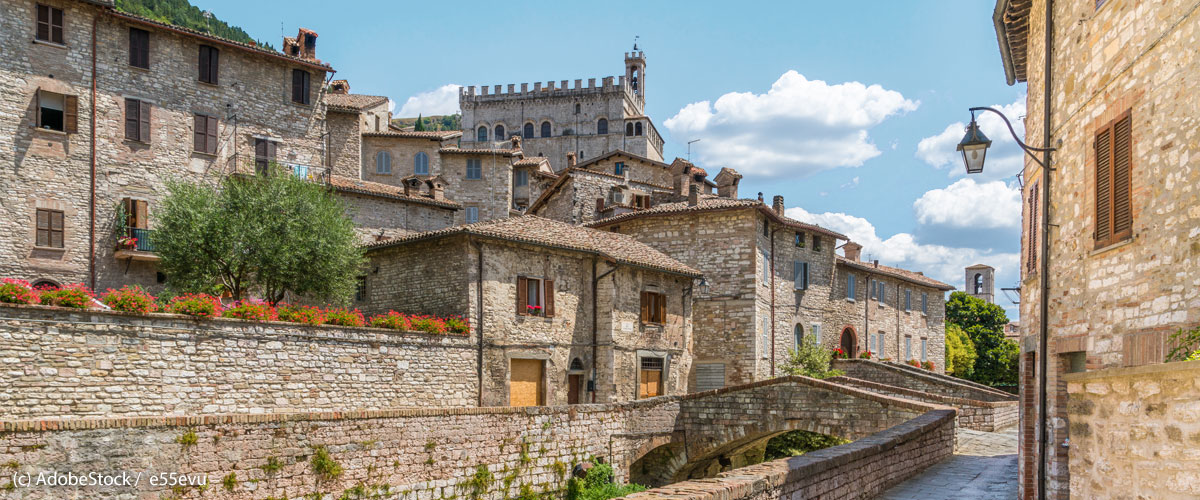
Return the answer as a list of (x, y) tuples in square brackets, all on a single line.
[(983, 467)]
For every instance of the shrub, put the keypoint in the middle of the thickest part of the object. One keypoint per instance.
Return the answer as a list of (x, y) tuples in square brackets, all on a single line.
[(1185, 345), (14, 291), (308, 315), (74, 296), (928, 365), (599, 485), (344, 317), (864, 355), (130, 299), (428, 324), (810, 359), (254, 311), (392, 320), (195, 304), (458, 324), (913, 362)]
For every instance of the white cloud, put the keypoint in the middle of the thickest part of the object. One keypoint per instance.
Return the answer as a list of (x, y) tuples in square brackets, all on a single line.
[(967, 204), (798, 127), (853, 183), (1004, 158), (440, 101)]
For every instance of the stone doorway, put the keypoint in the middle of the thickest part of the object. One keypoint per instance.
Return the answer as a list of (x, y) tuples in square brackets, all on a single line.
[(849, 343)]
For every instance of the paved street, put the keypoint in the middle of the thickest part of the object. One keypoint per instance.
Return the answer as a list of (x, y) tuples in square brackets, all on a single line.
[(984, 467)]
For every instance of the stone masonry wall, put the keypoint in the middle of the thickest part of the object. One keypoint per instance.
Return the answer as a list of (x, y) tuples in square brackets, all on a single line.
[(887, 373), (403, 151), (373, 215), (1134, 431), (972, 414), (412, 454), (64, 363)]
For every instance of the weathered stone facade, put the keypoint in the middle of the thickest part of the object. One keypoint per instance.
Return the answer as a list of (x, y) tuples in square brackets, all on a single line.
[(1114, 301), (571, 114)]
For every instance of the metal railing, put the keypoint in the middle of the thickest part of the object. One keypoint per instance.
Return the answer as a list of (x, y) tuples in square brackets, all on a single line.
[(249, 165), (144, 241)]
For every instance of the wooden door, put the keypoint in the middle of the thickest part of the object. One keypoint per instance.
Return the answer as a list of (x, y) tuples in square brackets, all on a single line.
[(849, 343), (574, 382), (650, 384), (525, 383)]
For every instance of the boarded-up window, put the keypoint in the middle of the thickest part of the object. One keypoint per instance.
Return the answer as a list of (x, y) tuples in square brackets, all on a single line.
[(1031, 253), (1114, 216), (49, 24), (710, 376), (650, 378), (654, 307), (525, 383), (49, 228), (210, 58), (137, 120), (139, 48), (300, 86), (204, 134)]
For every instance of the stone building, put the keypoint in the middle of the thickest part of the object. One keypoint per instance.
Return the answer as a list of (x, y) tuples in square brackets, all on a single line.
[(1125, 214), (382, 211), (561, 313), (103, 107), (980, 282), (556, 119)]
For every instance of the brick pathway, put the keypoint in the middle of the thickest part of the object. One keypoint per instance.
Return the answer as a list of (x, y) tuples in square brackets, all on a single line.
[(984, 467)]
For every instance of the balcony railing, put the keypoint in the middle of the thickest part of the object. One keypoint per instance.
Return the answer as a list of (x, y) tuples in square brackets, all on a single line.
[(257, 166), (143, 239)]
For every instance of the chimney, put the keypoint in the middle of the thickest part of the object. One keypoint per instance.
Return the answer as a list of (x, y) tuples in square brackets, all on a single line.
[(516, 142), (681, 172), (760, 200), (339, 87), (693, 195), (436, 189), (412, 187), (877, 264), (853, 251), (777, 204), (570, 160), (727, 182)]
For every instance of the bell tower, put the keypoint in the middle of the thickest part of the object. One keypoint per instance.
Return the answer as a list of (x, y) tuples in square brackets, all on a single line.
[(635, 71), (980, 282)]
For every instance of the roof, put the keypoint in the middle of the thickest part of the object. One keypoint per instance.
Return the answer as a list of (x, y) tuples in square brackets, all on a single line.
[(352, 185), (532, 161), (508, 153), (219, 40), (715, 204), (895, 272), (534, 230), (616, 152), (1011, 19), (433, 135), (567, 173), (353, 102), (980, 266)]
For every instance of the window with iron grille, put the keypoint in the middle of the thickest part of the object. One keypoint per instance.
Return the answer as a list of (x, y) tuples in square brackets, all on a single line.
[(652, 364), (360, 288)]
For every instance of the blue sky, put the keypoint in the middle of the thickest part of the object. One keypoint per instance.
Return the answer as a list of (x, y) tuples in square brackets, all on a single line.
[(850, 110)]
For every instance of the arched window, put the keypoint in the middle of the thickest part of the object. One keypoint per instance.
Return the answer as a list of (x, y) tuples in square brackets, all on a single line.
[(545, 129), (45, 284), (421, 164), (481, 134), (798, 336), (576, 108), (637, 128), (499, 135), (528, 131), (383, 162), (576, 364), (602, 126), (978, 283), (629, 129)]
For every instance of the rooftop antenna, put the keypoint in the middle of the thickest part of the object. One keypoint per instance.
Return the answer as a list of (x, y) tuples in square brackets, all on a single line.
[(690, 149), (635, 40)]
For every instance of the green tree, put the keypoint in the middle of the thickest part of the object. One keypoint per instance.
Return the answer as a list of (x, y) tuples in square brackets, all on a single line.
[(996, 356), (810, 359), (420, 125), (960, 352), (269, 235), (792, 443)]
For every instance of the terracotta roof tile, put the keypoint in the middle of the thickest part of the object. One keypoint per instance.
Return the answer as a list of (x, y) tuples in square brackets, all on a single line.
[(712, 204), (352, 185), (482, 151), (353, 102), (895, 272), (540, 231), (437, 135)]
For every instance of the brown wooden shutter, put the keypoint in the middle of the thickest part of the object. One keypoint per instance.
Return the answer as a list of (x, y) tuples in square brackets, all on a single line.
[(37, 108), (56, 25), (142, 211), (522, 295), (1103, 188), (199, 125), (43, 22), (548, 300), (645, 307), (297, 86), (131, 119), (43, 228), (214, 65), (203, 63), (144, 121), (134, 42), (56, 229), (70, 114), (211, 134), (661, 313), (1122, 216)]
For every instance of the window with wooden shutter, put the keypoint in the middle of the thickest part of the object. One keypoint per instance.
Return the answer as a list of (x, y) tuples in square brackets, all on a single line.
[(1114, 152), (139, 48), (548, 290), (1031, 253), (137, 213), (300, 86), (800, 275), (209, 64), (49, 228), (49, 24), (264, 155), (535, 297), (137, 120), (204, 134), (654, 307)]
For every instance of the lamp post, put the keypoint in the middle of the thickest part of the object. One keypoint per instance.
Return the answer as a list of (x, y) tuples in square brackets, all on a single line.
[(974, 149)]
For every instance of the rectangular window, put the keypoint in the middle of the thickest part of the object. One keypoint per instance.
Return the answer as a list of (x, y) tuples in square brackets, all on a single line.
[(49, 228), (800, 240), (264, 155), (360, 289), (766, 228), (1114, 218), (850, 286), (535, 297), (816, 243), (815, 330), (57, 111), (882, 293), (654, 307), (873, 291), (880, 344), (908, 300), (908, 348), (137, 213), (300, 86), (925, 303), (800, 275), (49, 24), (137, 120), (766, 266), (139, 48), (1032, 239), (924, 351), (474, 169), (210, 58), (204, 134), (619, 168), (871, 339), (472, 215), (521, 178), (650, 378), (766, 337), (641, 201)]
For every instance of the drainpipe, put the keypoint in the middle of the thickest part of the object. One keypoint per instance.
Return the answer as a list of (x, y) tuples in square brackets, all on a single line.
[(479, 318), (866, 316), (92, 174), (1044, 341), (595, 315), (772, 299)]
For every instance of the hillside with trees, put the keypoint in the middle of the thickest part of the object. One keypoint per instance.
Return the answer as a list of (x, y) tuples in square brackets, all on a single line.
[(433, 122), (182, 13)]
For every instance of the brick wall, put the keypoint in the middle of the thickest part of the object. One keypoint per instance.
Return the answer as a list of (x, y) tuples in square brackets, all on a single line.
[(92, 363)]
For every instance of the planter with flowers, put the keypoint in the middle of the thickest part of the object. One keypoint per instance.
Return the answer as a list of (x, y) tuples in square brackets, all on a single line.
[(838, 353), (533, 310), (14, 291), (864, 355), (126, 243)]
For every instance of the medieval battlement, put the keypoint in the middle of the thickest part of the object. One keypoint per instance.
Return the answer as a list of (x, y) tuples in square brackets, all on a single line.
[(550, 88)]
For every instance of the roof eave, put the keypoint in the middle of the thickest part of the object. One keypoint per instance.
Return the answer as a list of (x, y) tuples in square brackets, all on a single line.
[(1010, 75)]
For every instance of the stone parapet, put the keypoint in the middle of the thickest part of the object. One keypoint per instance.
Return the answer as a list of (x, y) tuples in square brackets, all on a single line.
[(918, 380)]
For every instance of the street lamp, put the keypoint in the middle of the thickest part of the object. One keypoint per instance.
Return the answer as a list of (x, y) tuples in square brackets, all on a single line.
[(974, 147), (703, 287)]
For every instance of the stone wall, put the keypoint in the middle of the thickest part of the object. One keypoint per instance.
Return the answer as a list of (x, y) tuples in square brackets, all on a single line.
[(64, 363), (1134, 431), (403, 151), (574, 201), (345, 144), (391, 217), (931, 383), (860, 469), (972, 414), (411, 454)]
